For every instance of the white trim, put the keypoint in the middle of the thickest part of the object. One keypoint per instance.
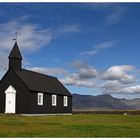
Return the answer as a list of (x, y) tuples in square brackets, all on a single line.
[(10, 89), (54, 100), (65, 101), (10, 100), (40, 99)]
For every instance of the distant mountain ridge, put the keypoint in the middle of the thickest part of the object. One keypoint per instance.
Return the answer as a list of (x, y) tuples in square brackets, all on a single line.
[(103, 102), (135, 103)]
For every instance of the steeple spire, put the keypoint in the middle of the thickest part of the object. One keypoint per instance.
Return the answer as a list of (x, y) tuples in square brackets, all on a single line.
[(15, 58), (15, 53)]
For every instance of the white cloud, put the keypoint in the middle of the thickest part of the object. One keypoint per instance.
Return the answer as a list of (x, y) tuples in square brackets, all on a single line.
[(113, 12), (67, 29), (91, 52), (116, 15), (119, 73), (3, 60), (3, 63), (74, 80), (48, 71), (84, 70), (79, 64), (71, 79), (118, 81), (130, 89), (104, 45), (98, 48), (114, 87), (30, 36), (110, 85), (87, 73), (83, 77), (87, 76)]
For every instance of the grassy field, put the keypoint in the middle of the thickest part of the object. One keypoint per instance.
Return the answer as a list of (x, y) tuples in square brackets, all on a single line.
[(86, 125)]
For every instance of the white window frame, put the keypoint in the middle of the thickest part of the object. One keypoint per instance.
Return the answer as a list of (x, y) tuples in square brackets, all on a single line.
[(54, 100), (40, 99), (65, 100)]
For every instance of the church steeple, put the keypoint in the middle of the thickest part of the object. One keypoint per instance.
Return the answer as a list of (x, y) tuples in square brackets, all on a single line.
[(15, 58)]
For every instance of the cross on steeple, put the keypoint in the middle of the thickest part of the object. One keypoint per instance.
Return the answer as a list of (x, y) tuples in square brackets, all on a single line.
[(15, 36)]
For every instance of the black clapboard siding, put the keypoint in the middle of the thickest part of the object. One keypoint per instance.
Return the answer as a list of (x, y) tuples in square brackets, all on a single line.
[(22, 94), (26, 101), (47, 107)]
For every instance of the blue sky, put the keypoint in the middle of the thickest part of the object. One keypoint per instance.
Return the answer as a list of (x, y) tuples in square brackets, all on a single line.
[(93, 48)]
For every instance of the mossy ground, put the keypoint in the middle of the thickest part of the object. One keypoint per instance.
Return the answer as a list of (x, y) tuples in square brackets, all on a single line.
[(84, 125)]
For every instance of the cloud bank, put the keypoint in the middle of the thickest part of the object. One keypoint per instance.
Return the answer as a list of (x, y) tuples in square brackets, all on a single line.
[(118, 79), (31, 37), (99, 48), (115, 80)]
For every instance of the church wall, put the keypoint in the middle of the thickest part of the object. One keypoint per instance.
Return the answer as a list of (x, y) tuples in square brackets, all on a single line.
[(26, 101), (22, 94), (47, 107)]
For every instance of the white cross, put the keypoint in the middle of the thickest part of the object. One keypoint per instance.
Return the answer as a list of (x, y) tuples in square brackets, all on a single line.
[(15, 36)]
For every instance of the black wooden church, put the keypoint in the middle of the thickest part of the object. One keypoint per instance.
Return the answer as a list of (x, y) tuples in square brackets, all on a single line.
[(27, 92)]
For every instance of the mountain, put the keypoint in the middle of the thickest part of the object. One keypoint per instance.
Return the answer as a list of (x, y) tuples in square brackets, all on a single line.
[(103, 102), (135, 103)]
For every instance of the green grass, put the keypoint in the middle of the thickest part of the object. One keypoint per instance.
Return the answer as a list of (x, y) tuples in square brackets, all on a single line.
[(91, 125)]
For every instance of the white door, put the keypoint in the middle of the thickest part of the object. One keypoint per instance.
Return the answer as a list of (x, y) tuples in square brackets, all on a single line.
[(10, 103)]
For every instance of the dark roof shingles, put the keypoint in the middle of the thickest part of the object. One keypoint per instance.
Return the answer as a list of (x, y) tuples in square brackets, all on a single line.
[(42, 83)]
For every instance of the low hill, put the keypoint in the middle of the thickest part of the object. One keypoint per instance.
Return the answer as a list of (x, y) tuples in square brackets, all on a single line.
[(135, 103), (103, 102)]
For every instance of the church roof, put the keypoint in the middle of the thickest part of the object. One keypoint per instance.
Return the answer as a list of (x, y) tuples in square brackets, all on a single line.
[(42, 83), (15, 53)]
